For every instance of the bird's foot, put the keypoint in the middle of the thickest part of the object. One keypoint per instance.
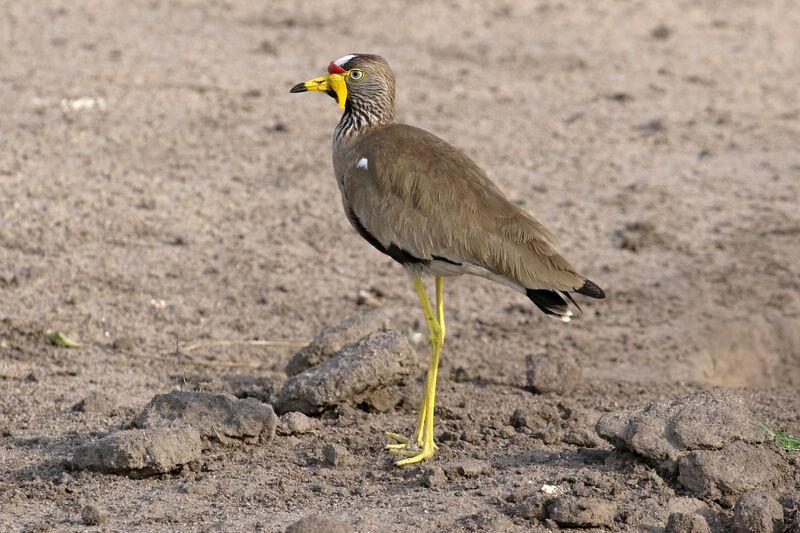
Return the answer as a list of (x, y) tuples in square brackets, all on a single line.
[(404, 443), (414, 451), (415, 456), (400, 443)]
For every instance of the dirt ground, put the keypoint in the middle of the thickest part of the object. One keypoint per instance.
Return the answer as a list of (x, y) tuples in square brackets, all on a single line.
[(162, 189)]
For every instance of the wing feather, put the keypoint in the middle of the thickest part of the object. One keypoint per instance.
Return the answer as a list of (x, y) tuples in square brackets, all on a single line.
[(430, 199)]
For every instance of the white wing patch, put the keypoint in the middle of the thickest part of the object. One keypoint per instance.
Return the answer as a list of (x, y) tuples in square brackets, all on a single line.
[(363, 163), (342, 60)]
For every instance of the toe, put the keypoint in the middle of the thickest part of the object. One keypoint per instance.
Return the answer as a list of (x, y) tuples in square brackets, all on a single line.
[(399, 438), (424, 454)]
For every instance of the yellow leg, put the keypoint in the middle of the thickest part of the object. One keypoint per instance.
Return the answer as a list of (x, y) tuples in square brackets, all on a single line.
[(440, 306), (423, 436)]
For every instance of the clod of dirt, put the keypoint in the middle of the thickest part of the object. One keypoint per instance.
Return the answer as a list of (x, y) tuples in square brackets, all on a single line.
[(679, 522), (665, 431), (548, 435), (791, 510), (336, 455), (466, 468), (485, 520), (575, 511), (433, 477), (791, 505), (124, 344), (661, 32), (637, 236), (547, 373), (96, 402), (684, 504), (93, 515), (722, 475), (470, 467), (294, 423), (383, 400), (331, 339), (140, 452), (706, 437), (582, 437), (471, 435), (757, 512), (533, 507), (534, 417), (217, 416), (318, 524), (377, 360)]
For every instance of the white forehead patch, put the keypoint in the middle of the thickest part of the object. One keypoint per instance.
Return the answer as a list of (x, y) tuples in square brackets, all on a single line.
[(363, 163), (342, 60)]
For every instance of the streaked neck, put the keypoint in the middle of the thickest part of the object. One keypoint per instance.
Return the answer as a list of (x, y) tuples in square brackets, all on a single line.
[(362, 116)]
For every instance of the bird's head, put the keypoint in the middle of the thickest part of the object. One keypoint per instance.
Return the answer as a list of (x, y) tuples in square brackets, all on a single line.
[(362, 80)]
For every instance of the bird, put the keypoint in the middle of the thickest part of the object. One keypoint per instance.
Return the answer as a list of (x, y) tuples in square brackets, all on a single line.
[(431, 208)]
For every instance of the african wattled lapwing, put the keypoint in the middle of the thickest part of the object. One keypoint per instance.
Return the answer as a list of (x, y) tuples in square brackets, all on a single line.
[(429, 207)]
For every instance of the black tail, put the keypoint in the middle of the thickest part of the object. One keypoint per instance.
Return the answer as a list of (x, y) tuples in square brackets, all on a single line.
[(591, 290), (552, 303)]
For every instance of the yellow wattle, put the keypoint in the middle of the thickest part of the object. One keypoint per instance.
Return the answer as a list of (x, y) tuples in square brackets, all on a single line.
[(340, 86)]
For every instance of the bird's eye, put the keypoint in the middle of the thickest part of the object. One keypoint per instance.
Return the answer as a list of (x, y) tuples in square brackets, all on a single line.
[(356, 74)]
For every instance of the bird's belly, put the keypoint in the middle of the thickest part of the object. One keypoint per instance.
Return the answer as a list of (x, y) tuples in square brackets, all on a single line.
[(436, 267)]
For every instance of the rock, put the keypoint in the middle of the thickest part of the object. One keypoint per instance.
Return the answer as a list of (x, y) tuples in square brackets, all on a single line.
[(533, 507), (722, 475), (217, 416), (433, 477), (547, 373), (95, 402), (140, 452), (681, 522), (318, 524), (93, 515), (377, 360), (664, 431), (757, 512), (331, 339), (294, 423), (575, 511), (336, 455)]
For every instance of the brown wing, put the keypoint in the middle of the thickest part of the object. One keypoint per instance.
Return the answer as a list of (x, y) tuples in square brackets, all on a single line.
[(410, 189)]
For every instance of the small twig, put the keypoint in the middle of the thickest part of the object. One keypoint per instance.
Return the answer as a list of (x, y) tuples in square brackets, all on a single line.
[(283, 344)]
